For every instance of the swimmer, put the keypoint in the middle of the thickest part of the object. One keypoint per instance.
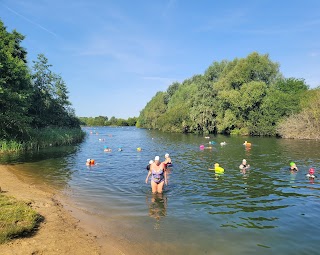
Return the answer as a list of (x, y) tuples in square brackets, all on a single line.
[(148, 166), (107, 149), (217, 169), (90, 162), (247, 144), (167, 159), (293, 167), (139, 149), (158, 175), (207, 137), (311, 175), (223, 143), (244, 165), (120, 149)]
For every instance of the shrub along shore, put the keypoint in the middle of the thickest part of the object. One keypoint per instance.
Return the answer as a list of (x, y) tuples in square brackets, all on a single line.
[(44, 138)]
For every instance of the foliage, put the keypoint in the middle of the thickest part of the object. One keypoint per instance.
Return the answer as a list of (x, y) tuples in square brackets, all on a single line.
[(16, 218), (44, 137), (247, 96), (30, 99), (105, 121), (304, 124), (15, 86)]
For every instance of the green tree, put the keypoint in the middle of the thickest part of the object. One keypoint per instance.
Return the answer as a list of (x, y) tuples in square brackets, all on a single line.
[(15, 86)]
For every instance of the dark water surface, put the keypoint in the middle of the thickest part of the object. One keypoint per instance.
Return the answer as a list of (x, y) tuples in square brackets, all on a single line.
[(267, 210)]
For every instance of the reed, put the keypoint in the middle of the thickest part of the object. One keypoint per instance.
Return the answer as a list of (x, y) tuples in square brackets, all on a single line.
[(43, 138), (17, 218), (10, 146)]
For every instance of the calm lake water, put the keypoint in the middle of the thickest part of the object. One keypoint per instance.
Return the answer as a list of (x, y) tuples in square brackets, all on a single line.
[(267, 210)]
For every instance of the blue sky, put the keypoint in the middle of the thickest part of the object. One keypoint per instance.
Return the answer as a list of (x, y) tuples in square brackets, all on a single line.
[(114, 55)]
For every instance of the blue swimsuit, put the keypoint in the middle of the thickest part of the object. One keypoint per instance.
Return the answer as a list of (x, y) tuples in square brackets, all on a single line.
[(157, 177)]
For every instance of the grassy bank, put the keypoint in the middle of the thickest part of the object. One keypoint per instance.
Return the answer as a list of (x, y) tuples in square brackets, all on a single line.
[(17, 218), (43, 138)]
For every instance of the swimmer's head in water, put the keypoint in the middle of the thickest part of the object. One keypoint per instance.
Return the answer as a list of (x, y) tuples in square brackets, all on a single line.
[(157, 158), (311, 171), (292, 164)]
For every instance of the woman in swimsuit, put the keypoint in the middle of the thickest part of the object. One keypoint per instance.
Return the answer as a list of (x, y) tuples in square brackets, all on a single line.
[(158, 175), (244, 166)]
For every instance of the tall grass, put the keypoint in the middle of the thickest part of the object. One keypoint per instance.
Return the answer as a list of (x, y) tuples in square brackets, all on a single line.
[(43, 138), (17, 218)]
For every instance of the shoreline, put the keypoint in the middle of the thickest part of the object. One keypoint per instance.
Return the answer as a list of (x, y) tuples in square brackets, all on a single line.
[(65, 228)]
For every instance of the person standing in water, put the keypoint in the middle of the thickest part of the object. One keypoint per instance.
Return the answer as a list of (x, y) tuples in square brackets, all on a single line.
[(167, 162), (158, 175), (244, 166), (148, 166)]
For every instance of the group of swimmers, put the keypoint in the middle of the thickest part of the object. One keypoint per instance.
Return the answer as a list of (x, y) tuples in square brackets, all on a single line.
[(219, 170), (158, 172), (311, 174)]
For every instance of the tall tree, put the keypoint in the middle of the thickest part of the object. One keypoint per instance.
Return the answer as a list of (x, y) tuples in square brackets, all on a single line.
[(15, 87)]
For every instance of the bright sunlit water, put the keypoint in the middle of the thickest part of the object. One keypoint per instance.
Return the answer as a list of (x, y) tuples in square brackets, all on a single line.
[(267, 210)]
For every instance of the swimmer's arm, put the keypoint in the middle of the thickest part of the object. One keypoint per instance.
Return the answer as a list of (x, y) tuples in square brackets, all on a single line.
[(149, 173), (165, 177)]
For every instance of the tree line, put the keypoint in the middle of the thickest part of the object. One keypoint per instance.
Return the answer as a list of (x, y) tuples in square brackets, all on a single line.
[(105, 121), (31, 98), (247, 96)]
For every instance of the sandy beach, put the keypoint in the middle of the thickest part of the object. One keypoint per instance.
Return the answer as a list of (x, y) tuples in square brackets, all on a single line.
[(60, 232)]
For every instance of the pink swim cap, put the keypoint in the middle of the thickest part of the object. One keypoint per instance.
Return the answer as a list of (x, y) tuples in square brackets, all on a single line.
[(311, 171)]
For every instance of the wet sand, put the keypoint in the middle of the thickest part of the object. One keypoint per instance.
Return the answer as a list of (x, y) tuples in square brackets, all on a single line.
[(63, 229)]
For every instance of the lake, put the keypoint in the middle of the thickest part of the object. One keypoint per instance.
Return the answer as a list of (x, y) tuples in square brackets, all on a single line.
[(267, 210)]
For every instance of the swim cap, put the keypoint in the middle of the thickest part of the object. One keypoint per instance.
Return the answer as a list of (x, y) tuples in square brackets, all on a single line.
[(292, 163), (311, 171), (157, 158), (88, 160), (150, 162), (167, 155)]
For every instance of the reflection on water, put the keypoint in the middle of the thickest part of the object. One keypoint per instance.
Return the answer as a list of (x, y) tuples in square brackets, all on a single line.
[(260, 210), (157, 204)]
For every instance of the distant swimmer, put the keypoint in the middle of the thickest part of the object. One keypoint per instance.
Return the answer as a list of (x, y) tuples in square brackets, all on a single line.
[(167, 162), (311, 174), (90, 162), (202, 147), (244, 165), (139, 149), (293, 166), (246, 144), (107, 149), (223, 143), (217, 169)]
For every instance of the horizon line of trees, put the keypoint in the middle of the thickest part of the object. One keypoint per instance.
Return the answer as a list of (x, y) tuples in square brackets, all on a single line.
[(246, 96), (31, 98), (105, 121)]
